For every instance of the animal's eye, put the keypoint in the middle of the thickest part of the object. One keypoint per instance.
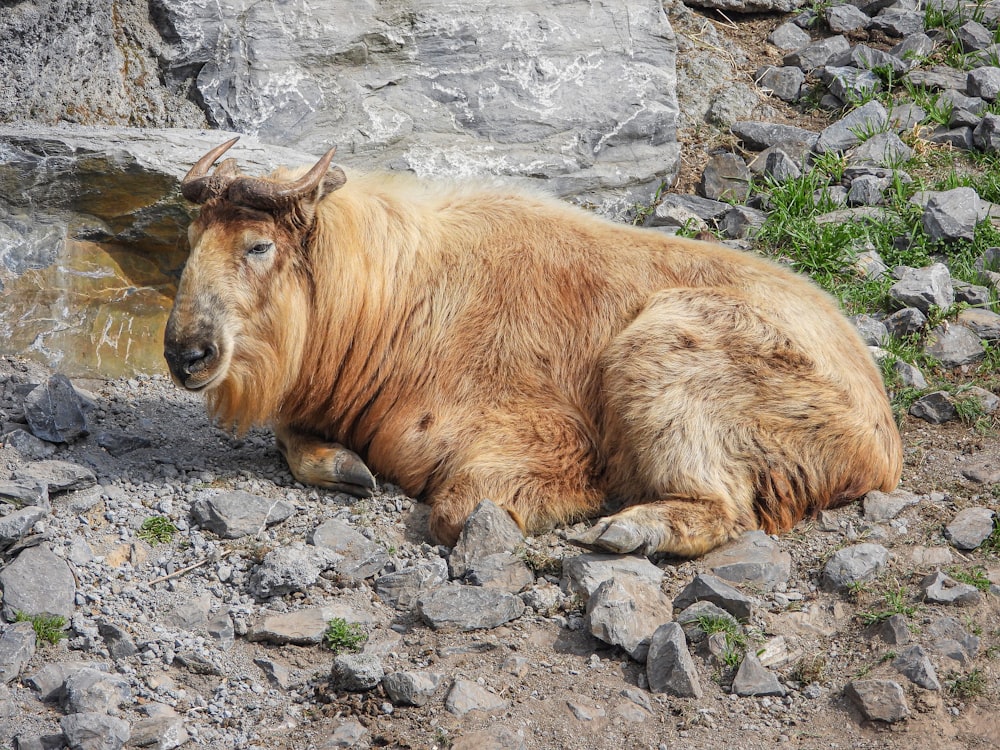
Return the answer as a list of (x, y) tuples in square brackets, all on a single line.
[(261, 248)]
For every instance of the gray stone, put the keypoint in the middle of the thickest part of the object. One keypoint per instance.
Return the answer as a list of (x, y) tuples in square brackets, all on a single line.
[(984, 82), (468, 89), (752, 678), (191, 613), (221, 630), (119, 443), (54, 411), (362, 558), (91, 690), (905, 117), (626, 612), (304, 627), (20, 493), (277, 674), (899, 23), (907, 321), (924, 288), (963, 118), (754, 558), (895, 631), (94, 731), (18, 524), (954, 345), (788, 36), (849, 84), (909, 376), (937, 408), (466, 696), (757, 136), (939, 588), (780, 167), (726, 177), (502, 571), (411, 688), (236, 514), (867, 190), (961, 138), (403, 588), (984, 323), (676, 216), (818, 53), (869, 265), (492, 738), (914, 664), (884, 506), (973, 36), (866, 58), (844, 18), (488, 530), (17, 646), (784, 82), (57, 476), (951, 215), (118, 642), (984, 473), (913, 48), (38, 582), (843, 134), (703, 208), (854, 564), (882, 149), (50, 679), (691, 619), (740, 222), (733, 103), (711, 589), (878, 700), (159, 733), (30, 447), (356, 672), (348, 733), (457, 607), (872, 330), (289, 569), (669, 666), (950, 639), (986, 135), (584, 573), (977, 297), (970, 528)]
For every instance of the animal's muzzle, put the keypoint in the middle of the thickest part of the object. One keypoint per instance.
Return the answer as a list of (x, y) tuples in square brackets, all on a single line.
[(185, 360)]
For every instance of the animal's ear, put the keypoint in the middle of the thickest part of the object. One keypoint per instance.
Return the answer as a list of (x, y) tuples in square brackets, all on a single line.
[(334, 180)]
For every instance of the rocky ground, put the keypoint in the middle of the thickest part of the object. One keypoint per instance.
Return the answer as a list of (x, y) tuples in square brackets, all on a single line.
[(875, 625)]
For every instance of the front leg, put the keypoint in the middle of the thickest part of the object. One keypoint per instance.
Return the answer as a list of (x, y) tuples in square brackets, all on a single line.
[(329, 465)]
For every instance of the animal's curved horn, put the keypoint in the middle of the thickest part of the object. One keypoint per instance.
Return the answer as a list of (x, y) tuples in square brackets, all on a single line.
[(197, 186), (268, 195)]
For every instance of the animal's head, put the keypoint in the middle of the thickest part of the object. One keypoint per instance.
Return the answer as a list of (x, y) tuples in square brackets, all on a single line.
[(240, 318)]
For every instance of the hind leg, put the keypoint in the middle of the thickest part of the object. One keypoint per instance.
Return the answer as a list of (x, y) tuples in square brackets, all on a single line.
[(690, 429)]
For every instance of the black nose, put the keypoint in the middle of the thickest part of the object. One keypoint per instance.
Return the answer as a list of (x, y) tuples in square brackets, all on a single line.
[(185, 362)]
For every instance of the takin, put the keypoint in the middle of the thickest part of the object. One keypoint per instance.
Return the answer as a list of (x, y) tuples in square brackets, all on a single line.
[(470, 343)]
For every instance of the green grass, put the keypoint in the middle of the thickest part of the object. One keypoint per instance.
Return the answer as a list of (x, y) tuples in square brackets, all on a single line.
[(975, 577), (736, 640), (967, 686), (48, 628), (342, 636), (896, 603), (157, 530)]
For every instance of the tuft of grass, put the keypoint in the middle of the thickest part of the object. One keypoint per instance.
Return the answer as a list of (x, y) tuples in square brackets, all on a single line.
[(48, 628), (896, 603), (342, 636), (975, 577), (809, 669), (157, 530), (736, 640), (967, 686), (541, 563), (992, 542)]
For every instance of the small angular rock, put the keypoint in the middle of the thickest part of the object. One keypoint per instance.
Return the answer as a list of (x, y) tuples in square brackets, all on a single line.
[(289, 569), (56, 476), (878, 700), (936, 408), (895, 631), (843, 134), (17, 525), (854, 564), (951, 215), (788, 36), (669, 666), (584, 573), (844, 18), (488, 530), (711, 589), (954, 345), (626, 613), (501, 571), (914, 664), (939, 588), (899, 23), (303, 627), (20, 493), (362, 557), (55, 411), (165, 732), (818, 53), (755, 559), (411, 688), (95, 691), (758, 136), (904, 322), (119, 644), (403, 588), (984, 323), (466, 696), (754, 679), (970, 528), (38, 582), (784, 82), (884, 506), (986, 135), (726, 178), (356, 672), (922, 288), (456, 607), (232, 515), (984, 82), (94, 731), (17, 646)]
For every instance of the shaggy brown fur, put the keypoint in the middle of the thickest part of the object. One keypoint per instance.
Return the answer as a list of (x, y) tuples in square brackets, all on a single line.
[(485, 343)]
